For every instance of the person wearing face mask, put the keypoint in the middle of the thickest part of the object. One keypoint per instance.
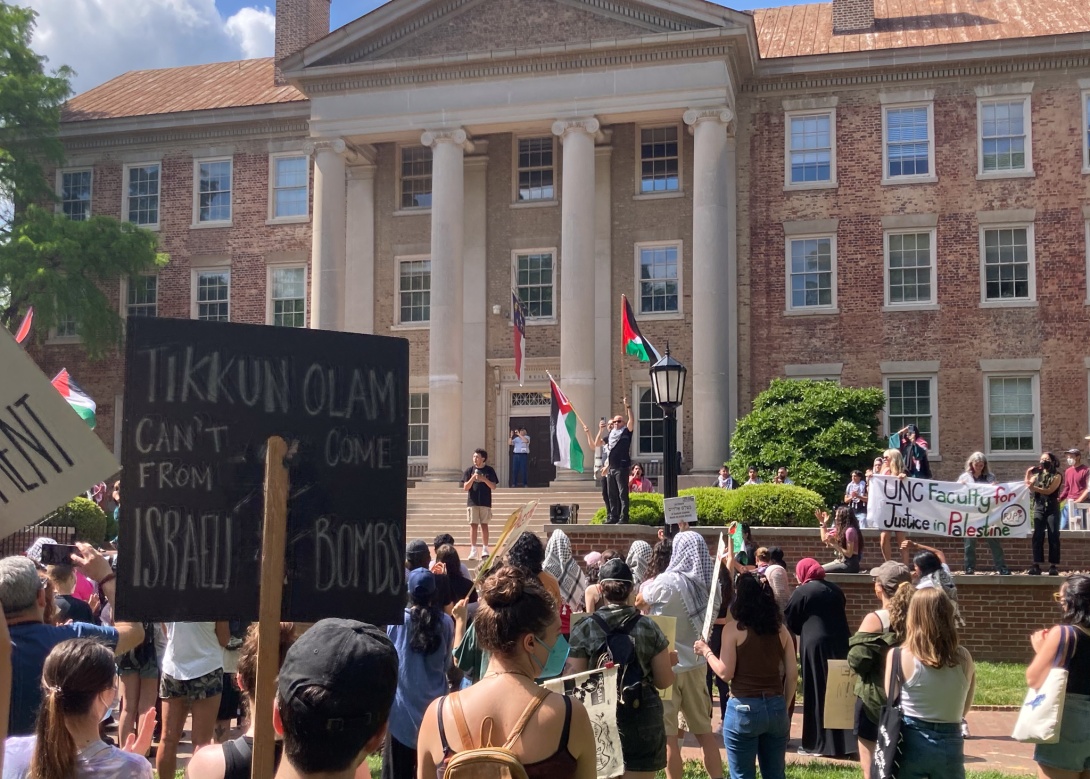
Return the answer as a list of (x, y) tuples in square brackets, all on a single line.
[(1074, 487), (517, 623), (79, 690), (1044, 482)]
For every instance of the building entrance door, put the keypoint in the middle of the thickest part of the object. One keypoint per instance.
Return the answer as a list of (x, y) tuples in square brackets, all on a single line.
[(541, 470)]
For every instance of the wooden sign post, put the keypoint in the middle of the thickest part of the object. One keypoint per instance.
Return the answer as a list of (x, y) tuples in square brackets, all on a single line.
[(709, 613), (274, 537)]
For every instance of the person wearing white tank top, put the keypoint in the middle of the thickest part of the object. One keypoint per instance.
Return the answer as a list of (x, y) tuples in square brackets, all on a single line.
[(937, 692)]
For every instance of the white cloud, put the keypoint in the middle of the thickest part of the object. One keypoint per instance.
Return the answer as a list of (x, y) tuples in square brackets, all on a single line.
[(101, 39)]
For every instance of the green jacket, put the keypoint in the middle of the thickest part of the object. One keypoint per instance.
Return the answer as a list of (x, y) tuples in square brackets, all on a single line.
[(867, 657)]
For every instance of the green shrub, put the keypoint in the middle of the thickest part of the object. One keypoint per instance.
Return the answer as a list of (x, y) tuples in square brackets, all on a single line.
[(86, 517), (768, 505)]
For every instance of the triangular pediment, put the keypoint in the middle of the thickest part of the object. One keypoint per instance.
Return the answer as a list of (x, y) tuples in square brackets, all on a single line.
[(411, 29)]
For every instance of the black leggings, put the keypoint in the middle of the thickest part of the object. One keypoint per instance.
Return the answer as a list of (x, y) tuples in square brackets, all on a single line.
[(1046, 524)]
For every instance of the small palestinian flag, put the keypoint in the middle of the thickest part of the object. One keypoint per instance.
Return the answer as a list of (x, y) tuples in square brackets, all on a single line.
[(79, 400), (632, 341), (567, 453), (24, 326)]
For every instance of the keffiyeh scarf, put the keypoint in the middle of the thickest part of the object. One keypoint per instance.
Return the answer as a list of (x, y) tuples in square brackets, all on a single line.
[(639, 560), (559, 562), (690, 571)]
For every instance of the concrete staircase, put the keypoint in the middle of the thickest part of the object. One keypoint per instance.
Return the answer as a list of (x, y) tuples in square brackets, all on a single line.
[(434, 510)]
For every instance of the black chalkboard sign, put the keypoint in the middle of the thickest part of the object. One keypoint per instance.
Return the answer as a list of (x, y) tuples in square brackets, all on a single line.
[(201, 400)]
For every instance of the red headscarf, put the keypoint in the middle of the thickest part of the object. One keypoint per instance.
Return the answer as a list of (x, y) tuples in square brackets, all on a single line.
[(808, 569)]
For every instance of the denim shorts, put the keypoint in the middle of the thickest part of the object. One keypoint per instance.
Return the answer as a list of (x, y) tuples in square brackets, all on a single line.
[(1072, 752)]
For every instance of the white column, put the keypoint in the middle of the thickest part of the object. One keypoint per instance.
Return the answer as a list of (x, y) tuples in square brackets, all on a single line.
[(734, 344), (712, 283), (445, 455), (327, 255), (578, 301), (475, 308), (359, 271), (603, 281)]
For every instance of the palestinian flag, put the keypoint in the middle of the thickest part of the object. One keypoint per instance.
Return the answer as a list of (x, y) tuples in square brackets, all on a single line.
[(24, 326), (632, 341), (565, 442), (79, 400)]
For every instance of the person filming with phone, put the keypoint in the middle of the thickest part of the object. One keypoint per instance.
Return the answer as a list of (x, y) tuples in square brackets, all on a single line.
[(23, 597)]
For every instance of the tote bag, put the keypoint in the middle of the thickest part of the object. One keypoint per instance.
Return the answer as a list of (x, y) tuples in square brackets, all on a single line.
[(887, 751), (1039, 720)]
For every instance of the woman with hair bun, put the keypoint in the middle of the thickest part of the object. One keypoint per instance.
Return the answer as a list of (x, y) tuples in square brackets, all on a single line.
[(517, 623), (79, 689)]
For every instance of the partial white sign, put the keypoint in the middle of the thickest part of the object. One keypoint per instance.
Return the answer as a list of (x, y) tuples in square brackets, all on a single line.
[(48, 455), (678, 510), (597, 691)]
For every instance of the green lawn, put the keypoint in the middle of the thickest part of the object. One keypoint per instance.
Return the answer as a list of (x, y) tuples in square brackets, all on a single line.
[(1000, 684)]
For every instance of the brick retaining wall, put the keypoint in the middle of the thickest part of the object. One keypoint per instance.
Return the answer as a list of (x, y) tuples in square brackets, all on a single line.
[(1000, 612)]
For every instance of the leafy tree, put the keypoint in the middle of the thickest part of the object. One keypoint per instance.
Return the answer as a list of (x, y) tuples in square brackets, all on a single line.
[(818, 429), (48, 261)]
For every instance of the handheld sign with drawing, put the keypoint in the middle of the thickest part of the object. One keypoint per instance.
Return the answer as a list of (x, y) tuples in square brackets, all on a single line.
[(48, 455), (678, 510), (201, 401)]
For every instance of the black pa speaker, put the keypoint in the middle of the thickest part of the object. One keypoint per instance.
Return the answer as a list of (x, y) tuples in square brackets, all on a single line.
[(561, 514)]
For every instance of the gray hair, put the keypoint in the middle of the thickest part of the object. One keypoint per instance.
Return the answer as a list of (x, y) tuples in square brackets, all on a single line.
[(977, 457), (19, 584)]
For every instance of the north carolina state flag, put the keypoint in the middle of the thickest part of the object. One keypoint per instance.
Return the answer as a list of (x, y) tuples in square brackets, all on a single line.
[(518, 320)]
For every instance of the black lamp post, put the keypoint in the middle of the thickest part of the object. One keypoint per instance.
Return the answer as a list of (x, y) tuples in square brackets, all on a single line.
[(668, 383)]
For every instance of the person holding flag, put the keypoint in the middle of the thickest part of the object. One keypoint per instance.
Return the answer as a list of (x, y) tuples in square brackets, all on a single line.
[(617, 437)]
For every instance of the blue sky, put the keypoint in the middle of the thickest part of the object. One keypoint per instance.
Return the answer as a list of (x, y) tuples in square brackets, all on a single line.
[(102, 39)]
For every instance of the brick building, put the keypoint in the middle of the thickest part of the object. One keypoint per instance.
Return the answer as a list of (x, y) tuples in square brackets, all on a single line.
[(875, 193)]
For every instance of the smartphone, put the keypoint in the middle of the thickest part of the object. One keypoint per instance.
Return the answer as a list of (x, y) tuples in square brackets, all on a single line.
[(58, 554)]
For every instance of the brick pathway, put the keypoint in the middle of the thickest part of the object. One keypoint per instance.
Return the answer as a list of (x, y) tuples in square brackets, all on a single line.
[(989, 747)]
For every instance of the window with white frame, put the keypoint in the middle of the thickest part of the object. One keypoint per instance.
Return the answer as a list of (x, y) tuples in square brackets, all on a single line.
[(1008, 263), (650, 425), (67, 326), (810, 148), (910, 401), (142, 194), (214, 191), (534, 282), (659, 289), (418, 424), (910, 267), (811, 278), (1004, 139), (415, 177), (536, 169), (212, 295), (660, 160), (142, 296), (909, 148), (1012, 407), (76, 194), (414, 291), (288, 297), (290, 174)]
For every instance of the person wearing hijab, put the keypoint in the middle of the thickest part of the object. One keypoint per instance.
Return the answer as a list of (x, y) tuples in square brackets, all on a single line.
[(639, 560), (682, 592), (816, 614), (573, 583)]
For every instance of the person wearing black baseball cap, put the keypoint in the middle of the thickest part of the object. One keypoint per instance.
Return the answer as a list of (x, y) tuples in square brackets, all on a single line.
[(334, 694)]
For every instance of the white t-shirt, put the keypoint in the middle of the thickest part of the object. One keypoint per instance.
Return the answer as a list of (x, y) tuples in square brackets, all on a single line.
[(192, 650), (664, 599)]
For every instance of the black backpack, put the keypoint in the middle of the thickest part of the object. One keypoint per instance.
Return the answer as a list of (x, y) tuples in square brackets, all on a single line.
[(619, 648)]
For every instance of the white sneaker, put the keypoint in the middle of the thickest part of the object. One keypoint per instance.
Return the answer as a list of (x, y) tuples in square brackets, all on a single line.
[(484, 552), (964, 728), (473, 553)]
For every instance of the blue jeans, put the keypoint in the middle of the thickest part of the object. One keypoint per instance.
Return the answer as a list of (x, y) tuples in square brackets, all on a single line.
[(931, 750), (519, 462), (756, 731)]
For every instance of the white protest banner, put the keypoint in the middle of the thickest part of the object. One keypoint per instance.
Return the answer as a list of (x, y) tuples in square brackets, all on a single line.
[(713, 593), (940, 508), (677, 510), (597, 691), (48, 455)]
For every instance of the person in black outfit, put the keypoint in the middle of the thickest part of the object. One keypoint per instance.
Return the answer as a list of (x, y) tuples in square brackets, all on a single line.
[(914, 451), (1044, 482), (617, 437)]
